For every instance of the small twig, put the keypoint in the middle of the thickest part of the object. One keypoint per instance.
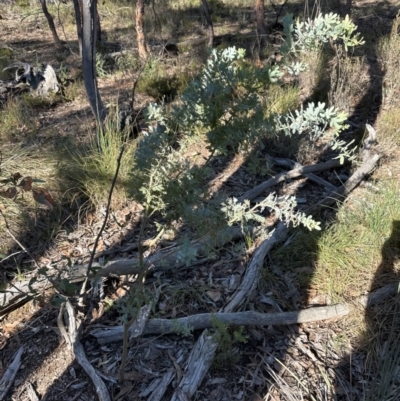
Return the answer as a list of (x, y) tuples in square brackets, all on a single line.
[(15, 239), (89, 267), (10, 256)]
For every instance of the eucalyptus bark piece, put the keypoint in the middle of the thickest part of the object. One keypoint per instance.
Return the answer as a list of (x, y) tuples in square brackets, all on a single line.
[(80, 356)]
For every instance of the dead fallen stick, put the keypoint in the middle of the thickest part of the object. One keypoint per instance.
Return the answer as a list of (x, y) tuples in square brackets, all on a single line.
[(161, 260), (378, 296), (366, 167), (199, 362), (205, 320), (296, 172), (312, 177), (9, 375)]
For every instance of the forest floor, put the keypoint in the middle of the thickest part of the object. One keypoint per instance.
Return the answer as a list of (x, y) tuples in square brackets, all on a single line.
[(355, 254)]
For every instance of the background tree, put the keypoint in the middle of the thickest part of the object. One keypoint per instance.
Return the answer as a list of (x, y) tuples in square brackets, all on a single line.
[(50, 21), (260, 18), (207, 14), (89, 32), (141, 38), (78, 21)]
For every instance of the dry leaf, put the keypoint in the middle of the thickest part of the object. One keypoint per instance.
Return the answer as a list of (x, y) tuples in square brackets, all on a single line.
[(10, 193), (214, 295)]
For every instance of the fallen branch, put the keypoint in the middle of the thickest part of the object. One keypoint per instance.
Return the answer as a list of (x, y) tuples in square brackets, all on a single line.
[(9, 375), (312, 177), (159, 261), (296, 172), (346, 188), (249, 281), (379, 295), (205, 320)]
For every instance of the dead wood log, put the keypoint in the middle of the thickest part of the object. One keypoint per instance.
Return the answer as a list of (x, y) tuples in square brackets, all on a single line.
[(205, 320), (9, 375), (296, 172), (312, 177), (366, 167), (162, 260)]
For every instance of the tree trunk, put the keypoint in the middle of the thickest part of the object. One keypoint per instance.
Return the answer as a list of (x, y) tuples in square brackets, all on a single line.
[(51, 24), (78, 21), (260, 18), (207, 14), (141, 38), (89, 31)]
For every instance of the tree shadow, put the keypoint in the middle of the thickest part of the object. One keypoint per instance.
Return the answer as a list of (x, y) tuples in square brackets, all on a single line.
[(373, 368)]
